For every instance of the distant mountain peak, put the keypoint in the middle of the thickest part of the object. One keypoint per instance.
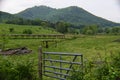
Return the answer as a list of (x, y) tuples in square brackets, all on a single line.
[(42, 6), (74, 7), (73, 14)]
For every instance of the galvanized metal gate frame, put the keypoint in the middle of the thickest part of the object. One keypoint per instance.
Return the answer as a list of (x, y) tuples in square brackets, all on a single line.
[(45, 57)]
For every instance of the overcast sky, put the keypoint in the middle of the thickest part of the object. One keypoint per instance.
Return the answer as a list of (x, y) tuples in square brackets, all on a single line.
[(109, 9)]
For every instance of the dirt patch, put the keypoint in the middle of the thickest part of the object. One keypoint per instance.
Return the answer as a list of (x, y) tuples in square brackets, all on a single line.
[(22, 50), (117, 40)]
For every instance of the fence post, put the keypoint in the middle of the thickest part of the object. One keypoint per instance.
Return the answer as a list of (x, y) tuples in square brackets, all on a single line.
[(40, 63), (82, 61)]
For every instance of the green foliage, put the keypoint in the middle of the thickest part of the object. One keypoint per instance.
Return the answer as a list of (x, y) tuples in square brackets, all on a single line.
[(71, 30), (116, 61), (76, 75), (3, 40), (61, 27), (11, 29), (103, 69), (102, 72), (90, 30), (100, 69), (21, 21), (27, 31), (10, 70), (113, 30), (116, 30), (6, 70), (6, 16), (107, 30), (18, 29), (25, 71)]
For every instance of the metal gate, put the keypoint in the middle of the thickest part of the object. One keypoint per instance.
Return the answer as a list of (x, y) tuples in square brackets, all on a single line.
[(59, 65)]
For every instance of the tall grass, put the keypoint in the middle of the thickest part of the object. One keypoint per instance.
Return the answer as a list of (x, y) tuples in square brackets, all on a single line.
[(100, 69), (16, 70)]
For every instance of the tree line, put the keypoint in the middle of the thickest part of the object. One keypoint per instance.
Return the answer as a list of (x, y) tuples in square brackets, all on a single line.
[(64, 27), (95, 29)]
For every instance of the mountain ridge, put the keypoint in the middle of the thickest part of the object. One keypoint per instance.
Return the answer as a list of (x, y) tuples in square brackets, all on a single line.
[(6, 16), (73, 14)]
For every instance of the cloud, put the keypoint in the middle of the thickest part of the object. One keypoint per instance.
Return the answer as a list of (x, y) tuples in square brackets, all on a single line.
[(119, 3)]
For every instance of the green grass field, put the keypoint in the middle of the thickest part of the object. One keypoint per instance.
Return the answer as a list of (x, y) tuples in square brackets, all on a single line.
[(89, 46), (18, 29)]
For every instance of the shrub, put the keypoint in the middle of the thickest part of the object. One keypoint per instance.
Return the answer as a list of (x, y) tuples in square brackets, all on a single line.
[(107, 68), (76, 75), (11, 29), (27, 31), (115, 67), (116, 60), (10, 70)]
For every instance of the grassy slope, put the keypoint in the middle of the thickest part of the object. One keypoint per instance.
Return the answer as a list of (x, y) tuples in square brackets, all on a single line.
[(18, 29)]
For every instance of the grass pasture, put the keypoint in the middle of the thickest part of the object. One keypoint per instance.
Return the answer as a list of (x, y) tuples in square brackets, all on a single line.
[(18, 29), (89, 46)]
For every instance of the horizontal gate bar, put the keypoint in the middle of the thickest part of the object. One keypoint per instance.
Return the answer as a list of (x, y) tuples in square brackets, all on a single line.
[(68, 62), (61, 68), (59, 53), (56, 73), (58, 68), (54, 77)]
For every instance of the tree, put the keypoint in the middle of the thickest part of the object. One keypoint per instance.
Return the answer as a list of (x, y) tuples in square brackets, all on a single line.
[(107, 30), (71, 30), (90, 30), (62, 27), (94, 29), (116, 30), (100, 30), (36, 22)]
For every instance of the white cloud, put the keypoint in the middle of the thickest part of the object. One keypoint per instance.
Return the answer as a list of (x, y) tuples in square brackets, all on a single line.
[(109, 9)]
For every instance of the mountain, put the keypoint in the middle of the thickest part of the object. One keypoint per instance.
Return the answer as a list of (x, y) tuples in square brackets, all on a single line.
[(36, 12), (6, 16), (74, 15)]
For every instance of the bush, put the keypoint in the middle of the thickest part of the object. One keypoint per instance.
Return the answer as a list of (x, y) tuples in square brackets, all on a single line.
[(16, 71), (76, 75), (107, 68), (11, 29), (115, 67), (116, 60), (27, 31)]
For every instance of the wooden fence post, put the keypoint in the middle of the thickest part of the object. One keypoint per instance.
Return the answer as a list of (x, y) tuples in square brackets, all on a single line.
[(40, 63)]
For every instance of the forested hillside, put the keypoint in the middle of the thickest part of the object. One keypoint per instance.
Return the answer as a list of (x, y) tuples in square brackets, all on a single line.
[(74, 15), (6, 16)]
